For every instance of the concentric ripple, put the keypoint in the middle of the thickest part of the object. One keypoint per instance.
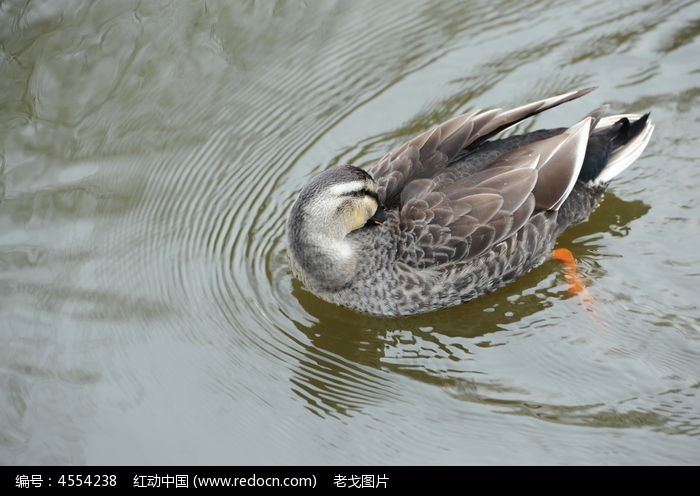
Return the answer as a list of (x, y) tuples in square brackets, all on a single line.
[(152, 151)]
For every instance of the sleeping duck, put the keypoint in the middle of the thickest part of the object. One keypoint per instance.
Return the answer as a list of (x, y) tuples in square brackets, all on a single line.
[(454, 213)]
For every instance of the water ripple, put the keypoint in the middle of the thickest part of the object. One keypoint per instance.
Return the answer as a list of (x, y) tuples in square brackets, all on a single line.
[(153, 152)]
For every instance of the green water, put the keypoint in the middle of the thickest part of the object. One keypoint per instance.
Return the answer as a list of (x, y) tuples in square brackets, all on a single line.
[(149, 152)]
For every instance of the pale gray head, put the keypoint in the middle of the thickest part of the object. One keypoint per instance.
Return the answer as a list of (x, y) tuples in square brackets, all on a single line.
[(335, 203)]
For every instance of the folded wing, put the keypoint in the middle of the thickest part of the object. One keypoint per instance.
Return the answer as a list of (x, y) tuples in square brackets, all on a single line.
[(429, 153), (464, 219)]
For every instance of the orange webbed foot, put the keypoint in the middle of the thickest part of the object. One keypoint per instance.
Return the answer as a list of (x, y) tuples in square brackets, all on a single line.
[(576, 282)]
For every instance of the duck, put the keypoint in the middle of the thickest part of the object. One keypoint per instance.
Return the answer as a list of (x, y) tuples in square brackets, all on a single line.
[(456, 212)]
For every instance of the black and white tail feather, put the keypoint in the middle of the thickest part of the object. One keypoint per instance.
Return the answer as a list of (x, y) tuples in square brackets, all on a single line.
[(628, 136)]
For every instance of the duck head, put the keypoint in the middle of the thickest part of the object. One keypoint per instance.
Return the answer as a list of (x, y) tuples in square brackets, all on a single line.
[(335, 203)]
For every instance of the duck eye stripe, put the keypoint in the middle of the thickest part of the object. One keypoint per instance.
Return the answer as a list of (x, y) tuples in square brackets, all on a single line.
[(362, 192), (371, 194)]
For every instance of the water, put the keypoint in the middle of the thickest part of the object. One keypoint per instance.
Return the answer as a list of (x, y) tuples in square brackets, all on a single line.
[(151, 150)]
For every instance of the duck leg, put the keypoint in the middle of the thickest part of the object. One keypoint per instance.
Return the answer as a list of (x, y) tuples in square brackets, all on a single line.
[(576, 282)]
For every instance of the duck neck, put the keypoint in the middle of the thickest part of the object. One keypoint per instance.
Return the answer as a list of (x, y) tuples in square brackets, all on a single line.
[(323, 260)]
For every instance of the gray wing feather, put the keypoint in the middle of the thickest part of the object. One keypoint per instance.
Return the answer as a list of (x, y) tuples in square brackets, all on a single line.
[(429, 153), (462, 220), (453, 222), (558, 162), (465, 218)]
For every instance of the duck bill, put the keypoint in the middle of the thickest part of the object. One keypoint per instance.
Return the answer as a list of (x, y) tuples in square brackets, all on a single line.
[(379, 216)]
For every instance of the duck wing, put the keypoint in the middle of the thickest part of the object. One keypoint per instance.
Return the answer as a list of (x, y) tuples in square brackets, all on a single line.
[(429, 153), (455, 222)]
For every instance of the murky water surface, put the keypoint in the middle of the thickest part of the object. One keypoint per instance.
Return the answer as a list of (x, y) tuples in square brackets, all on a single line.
[(150, 152)]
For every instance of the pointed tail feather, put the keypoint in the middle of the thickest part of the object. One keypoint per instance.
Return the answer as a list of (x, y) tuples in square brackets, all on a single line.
[(616, 142)]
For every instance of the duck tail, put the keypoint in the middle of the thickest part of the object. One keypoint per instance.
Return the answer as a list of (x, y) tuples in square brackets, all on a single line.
[(615, 143)]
